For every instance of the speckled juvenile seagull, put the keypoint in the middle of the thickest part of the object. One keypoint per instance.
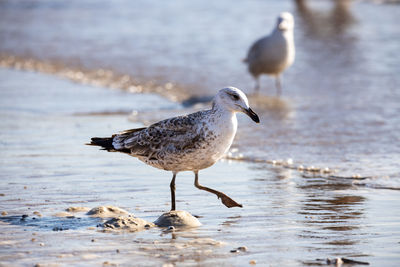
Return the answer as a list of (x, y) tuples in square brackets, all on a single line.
[(186, 143), (273, 53)]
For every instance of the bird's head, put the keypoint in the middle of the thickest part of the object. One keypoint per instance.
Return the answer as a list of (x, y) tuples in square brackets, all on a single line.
[(234, 100), (285, 22)]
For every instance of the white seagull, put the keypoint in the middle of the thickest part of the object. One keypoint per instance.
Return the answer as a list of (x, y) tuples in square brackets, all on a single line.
[(186, 143), (274, 53)]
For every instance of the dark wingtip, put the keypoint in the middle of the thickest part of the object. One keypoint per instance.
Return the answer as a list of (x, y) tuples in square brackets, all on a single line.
[(105, 143)]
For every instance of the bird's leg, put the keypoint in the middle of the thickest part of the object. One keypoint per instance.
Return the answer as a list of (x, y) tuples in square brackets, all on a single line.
[(227, 201), (278, 85), (172, 186)]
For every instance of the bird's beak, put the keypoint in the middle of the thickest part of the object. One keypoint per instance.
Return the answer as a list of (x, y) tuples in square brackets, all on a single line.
[(252, 114)]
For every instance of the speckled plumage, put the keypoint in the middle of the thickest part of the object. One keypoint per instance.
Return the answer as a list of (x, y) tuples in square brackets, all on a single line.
[(186, 143), (183, 143)]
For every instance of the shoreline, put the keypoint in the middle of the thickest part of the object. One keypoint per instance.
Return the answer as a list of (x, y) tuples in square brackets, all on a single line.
[(288, 218)]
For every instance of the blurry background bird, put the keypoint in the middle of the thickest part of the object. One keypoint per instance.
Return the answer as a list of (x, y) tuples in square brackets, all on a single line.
[(274, 53)]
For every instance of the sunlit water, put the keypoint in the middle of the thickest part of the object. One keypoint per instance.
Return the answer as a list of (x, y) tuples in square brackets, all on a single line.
[(340, 110), (289, 217), (340, 98)]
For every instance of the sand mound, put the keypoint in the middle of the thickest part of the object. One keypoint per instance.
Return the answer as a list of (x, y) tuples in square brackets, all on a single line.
[(128, 223), (107, 211), (77, 209), (177, 218)]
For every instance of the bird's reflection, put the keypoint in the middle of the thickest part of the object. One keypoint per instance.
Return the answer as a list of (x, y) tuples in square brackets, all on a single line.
[(232, 220), (271, 107)]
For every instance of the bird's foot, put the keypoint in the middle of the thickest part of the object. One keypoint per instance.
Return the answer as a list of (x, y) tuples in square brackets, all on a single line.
[(227, 201)]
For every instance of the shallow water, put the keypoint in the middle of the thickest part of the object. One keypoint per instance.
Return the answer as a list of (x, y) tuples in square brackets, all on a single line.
[(339, 110), (340, 100), (289, 218)]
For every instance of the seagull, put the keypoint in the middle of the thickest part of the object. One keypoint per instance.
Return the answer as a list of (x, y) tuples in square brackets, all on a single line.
[(186, 143), (274, 53)]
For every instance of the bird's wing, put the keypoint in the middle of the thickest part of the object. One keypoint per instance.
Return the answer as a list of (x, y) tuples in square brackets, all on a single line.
[(255, 51), (170, 135)]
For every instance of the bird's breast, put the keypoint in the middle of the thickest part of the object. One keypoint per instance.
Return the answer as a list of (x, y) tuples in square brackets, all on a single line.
[(223, 134), (278, 53), (214, 138)]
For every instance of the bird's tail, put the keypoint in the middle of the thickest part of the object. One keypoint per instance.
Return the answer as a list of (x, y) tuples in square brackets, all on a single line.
[(104, 142), (245, 60)]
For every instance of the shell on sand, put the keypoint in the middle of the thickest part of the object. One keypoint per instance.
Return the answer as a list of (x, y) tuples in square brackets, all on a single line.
[(177, 218)]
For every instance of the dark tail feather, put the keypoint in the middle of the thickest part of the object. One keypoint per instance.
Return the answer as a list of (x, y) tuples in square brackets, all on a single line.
[(105, 143)]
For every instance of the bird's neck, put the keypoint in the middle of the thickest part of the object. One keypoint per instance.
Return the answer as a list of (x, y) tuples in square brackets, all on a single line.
[(287, 33), (225, 118), (222, 110), (223, 124)]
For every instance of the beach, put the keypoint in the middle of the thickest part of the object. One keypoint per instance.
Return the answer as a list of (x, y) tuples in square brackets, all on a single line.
[(318, 178), (289, 217)]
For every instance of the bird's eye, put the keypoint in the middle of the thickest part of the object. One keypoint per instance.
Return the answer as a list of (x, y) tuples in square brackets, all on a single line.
[(235, 97)]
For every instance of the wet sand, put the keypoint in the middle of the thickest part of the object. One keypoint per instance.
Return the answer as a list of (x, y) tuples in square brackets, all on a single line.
[(289, 218)]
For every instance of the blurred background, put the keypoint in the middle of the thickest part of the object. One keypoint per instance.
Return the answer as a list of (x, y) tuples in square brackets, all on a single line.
[(136, 62), (340, 104)]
